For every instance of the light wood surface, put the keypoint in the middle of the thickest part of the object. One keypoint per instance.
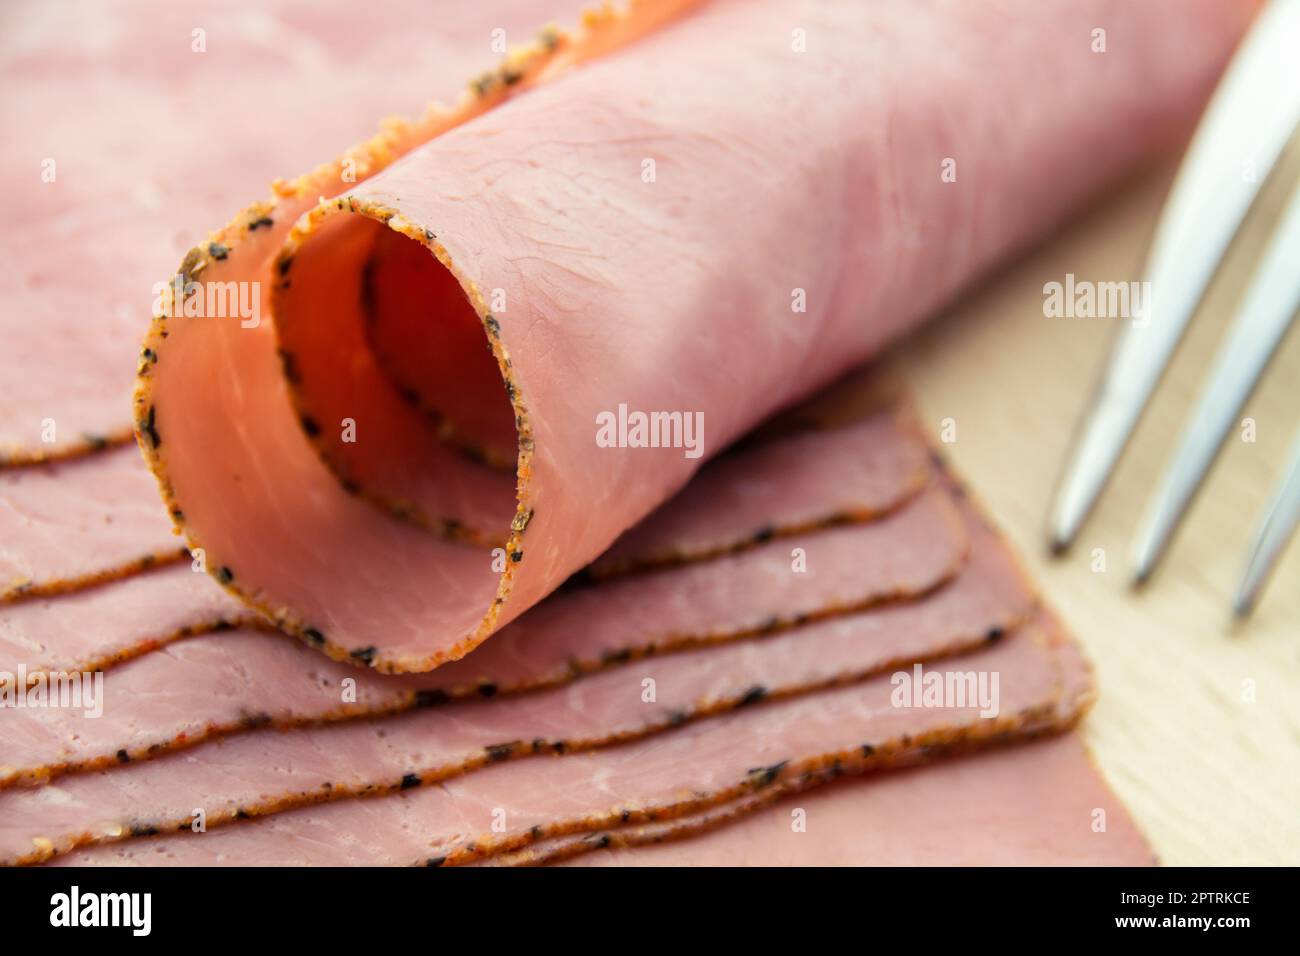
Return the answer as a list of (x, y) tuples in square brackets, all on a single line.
[(1197, 727)]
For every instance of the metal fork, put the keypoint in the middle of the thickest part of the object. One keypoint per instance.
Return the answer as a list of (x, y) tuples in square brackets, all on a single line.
[(1253, 114)]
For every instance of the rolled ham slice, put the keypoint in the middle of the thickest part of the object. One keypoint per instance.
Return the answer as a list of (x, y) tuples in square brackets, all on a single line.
[(710, 218), (716, 761), (244, 679), (1030, 805)]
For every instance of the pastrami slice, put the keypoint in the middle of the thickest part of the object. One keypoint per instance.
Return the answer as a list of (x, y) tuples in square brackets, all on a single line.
[(1030, 804), (101, 627), (72, 524), (778, 487)]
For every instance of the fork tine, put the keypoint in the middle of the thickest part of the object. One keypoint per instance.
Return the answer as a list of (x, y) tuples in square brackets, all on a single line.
[(1266, 312), (1251, 117), (1275, 528)]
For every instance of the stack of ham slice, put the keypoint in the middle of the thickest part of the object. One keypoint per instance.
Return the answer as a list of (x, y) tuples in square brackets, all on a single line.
[(657, 698), (607, 656)]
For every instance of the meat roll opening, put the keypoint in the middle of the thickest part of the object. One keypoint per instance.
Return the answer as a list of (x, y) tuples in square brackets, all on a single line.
[(385, 353), (430, 341)]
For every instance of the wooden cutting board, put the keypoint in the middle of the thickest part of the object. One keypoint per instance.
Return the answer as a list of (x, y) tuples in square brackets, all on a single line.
[(1198, 723)]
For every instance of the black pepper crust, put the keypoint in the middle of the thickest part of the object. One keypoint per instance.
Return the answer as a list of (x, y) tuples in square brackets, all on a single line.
[(498, 752), (149, 430), (25, 589), (90, 443), (105, 660)]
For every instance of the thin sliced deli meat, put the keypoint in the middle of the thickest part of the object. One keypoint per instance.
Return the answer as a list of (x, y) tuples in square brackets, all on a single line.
[(710, 762), (1034, 804), (778, 487), (99, 205), (423, 747), (1076, 693), (636, 234), (861, 471), (69, 525), (217, 685), (103, 626)]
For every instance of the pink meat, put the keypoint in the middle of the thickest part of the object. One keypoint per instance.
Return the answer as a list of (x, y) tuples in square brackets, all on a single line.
[(1075, 697), (274, 766), (69, 524), (153, 143), (1030, 805), (103, 626), (780, 486), (776, 171), (715, 759), (861, 470), (230, 681)]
